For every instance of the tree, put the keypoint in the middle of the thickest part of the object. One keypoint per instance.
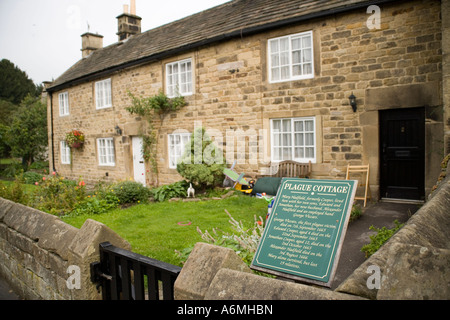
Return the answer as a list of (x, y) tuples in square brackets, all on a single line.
[(27, 135), (15, 84), (202, 162)]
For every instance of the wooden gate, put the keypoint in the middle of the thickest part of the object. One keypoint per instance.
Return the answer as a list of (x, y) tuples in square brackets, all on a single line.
[(125, 275)]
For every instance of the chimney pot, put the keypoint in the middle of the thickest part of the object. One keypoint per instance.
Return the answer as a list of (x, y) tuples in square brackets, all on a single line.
[(133, 7)]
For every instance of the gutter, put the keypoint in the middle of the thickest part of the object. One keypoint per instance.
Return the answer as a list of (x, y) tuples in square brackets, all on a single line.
[(233, 34)]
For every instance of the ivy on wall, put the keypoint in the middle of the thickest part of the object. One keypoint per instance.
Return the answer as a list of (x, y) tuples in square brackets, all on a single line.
[(149, 107)]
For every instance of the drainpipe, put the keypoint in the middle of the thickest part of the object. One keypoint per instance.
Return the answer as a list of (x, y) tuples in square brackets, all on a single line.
[(51, 132)]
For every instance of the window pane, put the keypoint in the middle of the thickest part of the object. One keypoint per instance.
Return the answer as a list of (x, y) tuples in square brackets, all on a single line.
[(307, 69), (299, 153), (307, 55), (275, 60), (274, 46), (296, 42), (296, 57), (285, 73), (309, 125), (276, 125), (298, 125), (277, 139), (297, 70), (287, 154), (287, 139), (284, 58), (309, 139), (287, 125), (284, 44), (306, 41), (299, 139)]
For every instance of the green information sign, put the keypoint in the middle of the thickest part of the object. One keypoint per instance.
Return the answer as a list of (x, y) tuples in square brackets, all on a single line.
[(304, 233)]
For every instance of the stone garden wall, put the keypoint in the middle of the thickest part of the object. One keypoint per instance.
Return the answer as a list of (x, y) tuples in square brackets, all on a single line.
[(42, 257)]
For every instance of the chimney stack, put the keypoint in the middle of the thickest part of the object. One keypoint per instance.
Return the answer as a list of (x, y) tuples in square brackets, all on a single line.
[(90, 42), (128, 22)]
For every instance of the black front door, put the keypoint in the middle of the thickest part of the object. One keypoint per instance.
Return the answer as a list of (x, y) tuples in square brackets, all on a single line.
[(402, 150)]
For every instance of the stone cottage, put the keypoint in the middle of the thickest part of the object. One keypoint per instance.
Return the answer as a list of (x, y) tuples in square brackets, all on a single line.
[(270, 80)]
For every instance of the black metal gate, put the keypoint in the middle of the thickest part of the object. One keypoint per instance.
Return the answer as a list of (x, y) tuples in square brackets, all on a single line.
[(125, 275)]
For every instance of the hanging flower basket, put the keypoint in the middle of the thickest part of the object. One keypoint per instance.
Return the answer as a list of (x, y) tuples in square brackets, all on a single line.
[(75, 139)]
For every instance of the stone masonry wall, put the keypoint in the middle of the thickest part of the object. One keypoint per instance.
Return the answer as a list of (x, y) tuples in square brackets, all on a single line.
[(232, 93), (37, 249)]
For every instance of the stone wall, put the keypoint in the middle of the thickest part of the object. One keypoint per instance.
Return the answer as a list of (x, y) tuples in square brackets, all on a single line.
[(413, 264), (445, 5), (232, 92), (37, 251)]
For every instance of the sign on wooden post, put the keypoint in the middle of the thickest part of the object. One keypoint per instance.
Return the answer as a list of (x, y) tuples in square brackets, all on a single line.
[(304, 233)]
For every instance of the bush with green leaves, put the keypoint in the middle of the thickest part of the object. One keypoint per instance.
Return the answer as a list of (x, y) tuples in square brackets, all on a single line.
[(174, 190), (31, 177), (380, 238), (130, 192), (96, 204), (14, 192), (58, 196), (202, 162)]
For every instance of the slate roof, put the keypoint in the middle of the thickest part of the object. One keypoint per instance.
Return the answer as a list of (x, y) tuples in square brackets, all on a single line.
[(232, 19)]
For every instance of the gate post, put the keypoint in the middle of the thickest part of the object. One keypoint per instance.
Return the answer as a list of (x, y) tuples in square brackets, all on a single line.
[(84, 250)]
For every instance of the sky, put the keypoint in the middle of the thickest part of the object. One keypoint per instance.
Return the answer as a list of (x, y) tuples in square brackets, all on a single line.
[(43, 37)]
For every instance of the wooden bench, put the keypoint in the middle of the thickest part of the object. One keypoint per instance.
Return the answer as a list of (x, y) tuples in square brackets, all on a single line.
[(290, 169)]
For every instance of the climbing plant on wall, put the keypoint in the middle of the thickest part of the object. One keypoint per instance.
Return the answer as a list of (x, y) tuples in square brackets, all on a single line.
[(150, 107)]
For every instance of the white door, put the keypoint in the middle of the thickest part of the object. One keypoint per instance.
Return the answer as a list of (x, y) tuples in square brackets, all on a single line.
[(138, 160)]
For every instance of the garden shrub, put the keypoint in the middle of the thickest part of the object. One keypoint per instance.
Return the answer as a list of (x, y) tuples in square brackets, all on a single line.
[(131, 192), (58, 196), (174, 190), (202, 162), (14, 192), (380, 238), (96, 204), (31, 177)]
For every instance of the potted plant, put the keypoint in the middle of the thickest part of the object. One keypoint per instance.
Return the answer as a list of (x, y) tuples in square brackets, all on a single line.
[(75, 139)]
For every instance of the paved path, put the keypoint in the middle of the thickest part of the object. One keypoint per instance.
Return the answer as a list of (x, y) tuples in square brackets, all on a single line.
[(381, 214)]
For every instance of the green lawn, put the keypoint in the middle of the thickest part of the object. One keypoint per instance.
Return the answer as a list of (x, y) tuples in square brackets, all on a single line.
[(153, 229)]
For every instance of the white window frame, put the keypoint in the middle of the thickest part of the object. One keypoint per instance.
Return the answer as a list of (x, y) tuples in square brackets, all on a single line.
[(176, 148), (289, 54), (293, 139), (65, 152), (103, 94), (179, 79), (106, 152), (63, 104)]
